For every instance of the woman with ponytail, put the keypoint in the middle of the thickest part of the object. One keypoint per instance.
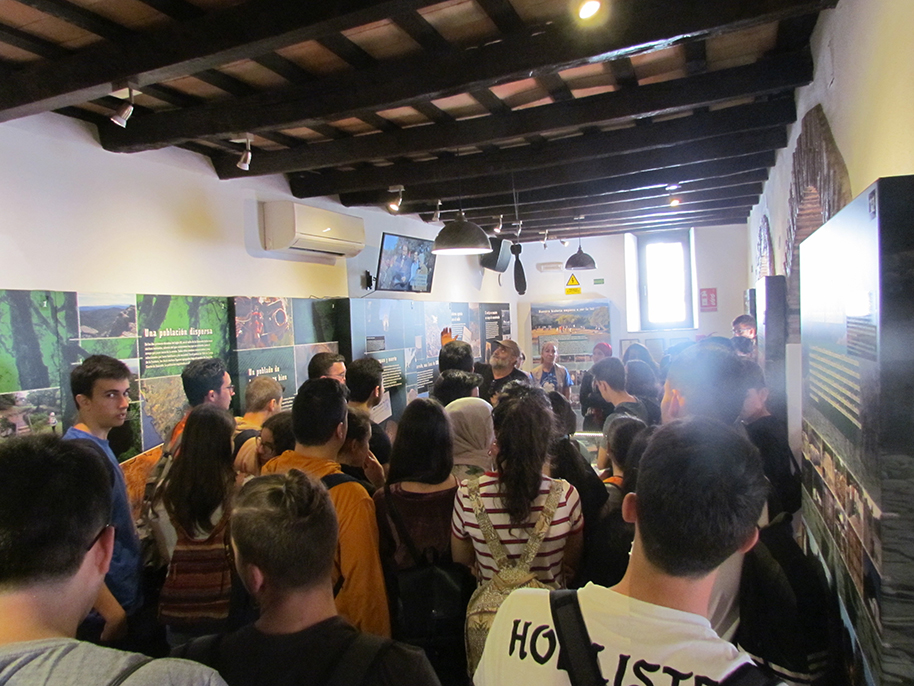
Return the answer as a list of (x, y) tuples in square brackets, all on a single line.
[(514, 496)]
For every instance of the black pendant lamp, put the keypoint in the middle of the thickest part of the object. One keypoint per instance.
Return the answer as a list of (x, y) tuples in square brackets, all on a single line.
[(580, 260), (461, 237)]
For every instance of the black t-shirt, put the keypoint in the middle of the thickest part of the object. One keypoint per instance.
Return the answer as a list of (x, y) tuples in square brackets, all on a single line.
[(491, 386), (248, 657), (379, 443), (769, 434)]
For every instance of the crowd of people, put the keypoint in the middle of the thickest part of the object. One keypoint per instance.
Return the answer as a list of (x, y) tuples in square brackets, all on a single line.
[(305, 546)]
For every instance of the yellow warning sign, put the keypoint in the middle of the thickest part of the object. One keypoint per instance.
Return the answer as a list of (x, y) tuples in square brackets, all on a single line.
[(573, 281), (573, 287)]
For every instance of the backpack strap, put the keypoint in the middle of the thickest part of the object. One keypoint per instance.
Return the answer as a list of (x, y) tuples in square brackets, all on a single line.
[(128, 671), (750, 675), (357, 660), (577, 654), (499, 554), (337, 478), (243, 437), (541, 528)]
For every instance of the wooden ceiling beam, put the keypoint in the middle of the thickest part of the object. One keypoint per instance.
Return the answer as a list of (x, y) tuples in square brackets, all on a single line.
[(762, 78), (608, 204), (657, 214), (568, 196), (420, 30), (632, 224), (608, 230), (176, 9), (219, 37), (502, 14), (84, 19), (399, 82), (623, 72), (665, 161), (600, 182), (33, 44), (625, 149), (346, 50)]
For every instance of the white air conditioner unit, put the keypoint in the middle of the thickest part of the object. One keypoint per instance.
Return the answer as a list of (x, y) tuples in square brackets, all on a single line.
[(290, 227)]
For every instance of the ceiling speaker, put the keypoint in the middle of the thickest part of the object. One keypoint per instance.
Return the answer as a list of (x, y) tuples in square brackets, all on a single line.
[(500, 257)]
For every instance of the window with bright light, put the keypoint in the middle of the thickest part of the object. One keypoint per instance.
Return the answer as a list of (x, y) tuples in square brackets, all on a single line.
[(665, 280)]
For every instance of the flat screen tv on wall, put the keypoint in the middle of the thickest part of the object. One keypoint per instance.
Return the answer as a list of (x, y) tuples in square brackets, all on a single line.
[(406, 264)]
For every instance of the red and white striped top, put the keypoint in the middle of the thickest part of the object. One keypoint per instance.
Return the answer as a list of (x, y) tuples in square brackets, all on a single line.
[(547, 565)]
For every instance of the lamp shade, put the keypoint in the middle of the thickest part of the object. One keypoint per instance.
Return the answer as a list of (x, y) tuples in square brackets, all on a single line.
[(461, 237), (580, 260)]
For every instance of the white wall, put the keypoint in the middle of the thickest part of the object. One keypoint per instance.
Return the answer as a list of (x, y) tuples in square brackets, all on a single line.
[(864, 81), (75, 217), (719, 262)]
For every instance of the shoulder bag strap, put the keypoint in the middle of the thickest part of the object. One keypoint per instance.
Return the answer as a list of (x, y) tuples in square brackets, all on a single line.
[(128, 671), (541, 528), (577, 654), (499, 554), (400, 526), (357, 659)]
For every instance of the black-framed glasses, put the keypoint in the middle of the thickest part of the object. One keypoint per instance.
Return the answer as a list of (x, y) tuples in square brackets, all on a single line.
[(99, 535)]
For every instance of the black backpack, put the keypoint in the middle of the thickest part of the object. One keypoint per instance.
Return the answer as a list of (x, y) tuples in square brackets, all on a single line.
[(431, 596)]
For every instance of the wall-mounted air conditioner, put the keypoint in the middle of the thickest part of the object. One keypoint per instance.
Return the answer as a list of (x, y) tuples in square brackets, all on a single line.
[(290, 227)]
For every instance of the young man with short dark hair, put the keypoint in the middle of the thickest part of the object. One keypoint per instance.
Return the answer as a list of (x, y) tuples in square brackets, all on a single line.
[(56, 543), (208, 381), (100, 387), (204, 381), (745, 326), (706, 380), (365, 380), (329, 366), (455, 355), (284, 535), (609, 380), (453, 384), (319, 420), (700, 493), (262, 399)]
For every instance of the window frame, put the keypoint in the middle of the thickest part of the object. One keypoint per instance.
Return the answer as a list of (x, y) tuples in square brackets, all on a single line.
[(685, 238)]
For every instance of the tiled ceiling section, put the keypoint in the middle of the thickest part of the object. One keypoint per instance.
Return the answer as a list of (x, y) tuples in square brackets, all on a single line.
[(498, 107)]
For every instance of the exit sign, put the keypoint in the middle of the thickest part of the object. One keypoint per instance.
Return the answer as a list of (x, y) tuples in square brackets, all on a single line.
[(708, 299)]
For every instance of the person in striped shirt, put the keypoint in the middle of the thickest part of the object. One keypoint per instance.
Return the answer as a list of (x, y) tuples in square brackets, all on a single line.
[(514, 494)]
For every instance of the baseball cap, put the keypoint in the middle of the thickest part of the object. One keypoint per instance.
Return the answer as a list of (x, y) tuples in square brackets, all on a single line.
[(510, 345)]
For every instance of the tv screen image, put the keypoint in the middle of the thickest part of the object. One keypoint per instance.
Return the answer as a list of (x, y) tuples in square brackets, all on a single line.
[(406, 264)]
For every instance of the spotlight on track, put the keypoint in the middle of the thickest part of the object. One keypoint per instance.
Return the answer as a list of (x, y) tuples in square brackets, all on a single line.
[(124, 110), (244, 162)]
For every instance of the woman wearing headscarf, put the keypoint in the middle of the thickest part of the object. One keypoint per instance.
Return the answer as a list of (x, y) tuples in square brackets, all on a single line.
[(471, 426)]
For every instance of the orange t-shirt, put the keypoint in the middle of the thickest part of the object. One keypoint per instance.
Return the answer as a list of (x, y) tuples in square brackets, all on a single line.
[(363, 597)]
